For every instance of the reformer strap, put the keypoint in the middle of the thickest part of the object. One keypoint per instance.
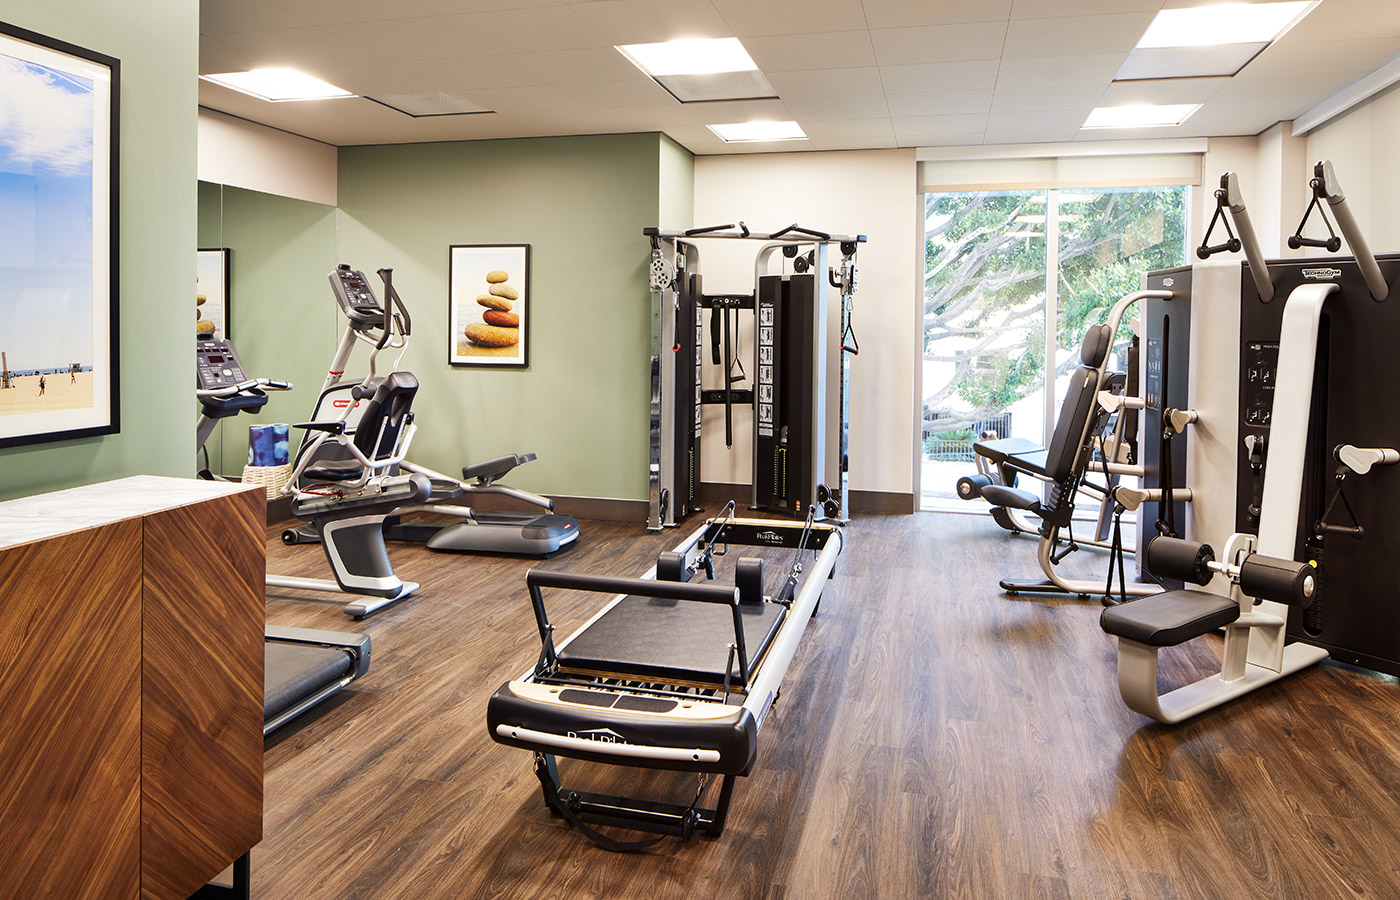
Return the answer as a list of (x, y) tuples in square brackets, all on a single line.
[(551, 797)]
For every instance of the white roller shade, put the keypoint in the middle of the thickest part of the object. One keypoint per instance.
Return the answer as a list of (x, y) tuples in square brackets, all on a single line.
[(1128, 164)]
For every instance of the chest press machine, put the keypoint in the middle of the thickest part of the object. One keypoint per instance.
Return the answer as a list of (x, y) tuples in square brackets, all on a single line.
[(1292, 415), (676, 672)]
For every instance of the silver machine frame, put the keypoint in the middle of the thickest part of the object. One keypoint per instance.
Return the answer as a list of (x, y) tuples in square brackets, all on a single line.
[(676, 252)]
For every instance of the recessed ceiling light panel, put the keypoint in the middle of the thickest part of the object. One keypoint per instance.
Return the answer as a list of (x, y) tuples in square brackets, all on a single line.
[(693, 56), (1217, 60), (278, 85), (1140, 115), (430, 103), (743, 132), (1223, 23)]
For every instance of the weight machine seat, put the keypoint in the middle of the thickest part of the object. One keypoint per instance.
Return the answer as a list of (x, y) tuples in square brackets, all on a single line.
[(670, 640), (297, 671), (1170, 618)]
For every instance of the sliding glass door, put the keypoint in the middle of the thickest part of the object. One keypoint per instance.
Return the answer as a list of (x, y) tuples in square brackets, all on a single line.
[(1011, 281)]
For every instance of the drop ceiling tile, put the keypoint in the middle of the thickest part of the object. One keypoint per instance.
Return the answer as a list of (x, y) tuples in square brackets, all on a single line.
[(646, 21), (224, 17), (837, 107), (526, 69), (1292, 57), (615, 94), (1075, 35), (521, 100), (973, 75), (724, 112), (747, 17), (1049, 119), (810, 83), (924, 126), (848, 128), (938, 43), (1282, 96), (372, 78), (215, 56), (1045, 9), (409, 39), (1025, 99), (299, 47), (1339, 20), (941, 103), (529, 30), (1154, 63), (1171, 90), (450, 7), (1039, 71), (869, 142), (916, 139), (1030, 134), (799, 52), (334, 12), (905, 13)]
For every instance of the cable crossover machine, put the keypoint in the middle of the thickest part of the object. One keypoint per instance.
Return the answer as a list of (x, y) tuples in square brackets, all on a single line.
[(789, 369)]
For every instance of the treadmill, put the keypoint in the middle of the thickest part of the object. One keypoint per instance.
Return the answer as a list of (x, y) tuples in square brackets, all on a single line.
[(522, 533), (303, 667)]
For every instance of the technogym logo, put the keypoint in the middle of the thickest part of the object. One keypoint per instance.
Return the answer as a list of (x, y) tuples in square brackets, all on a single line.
[(1323, 274), (601, 735)]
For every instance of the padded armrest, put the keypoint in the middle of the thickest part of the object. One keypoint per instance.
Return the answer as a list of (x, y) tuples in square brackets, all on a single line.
[(1170, 618), (1001, 450), (336, 427), (998, 495), (491, 469)]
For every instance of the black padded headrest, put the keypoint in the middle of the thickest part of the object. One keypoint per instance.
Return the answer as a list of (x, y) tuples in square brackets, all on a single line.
[(1098, 340)]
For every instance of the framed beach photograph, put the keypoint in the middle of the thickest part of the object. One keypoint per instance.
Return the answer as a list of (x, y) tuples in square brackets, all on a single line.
[(58, 240), (211, 293), (488, 308)]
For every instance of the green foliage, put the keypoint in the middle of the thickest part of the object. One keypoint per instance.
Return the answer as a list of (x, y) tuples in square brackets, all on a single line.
[(984, 286)]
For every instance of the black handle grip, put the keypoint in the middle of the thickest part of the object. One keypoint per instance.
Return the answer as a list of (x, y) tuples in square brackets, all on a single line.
[(1331, 245), (692, 232)]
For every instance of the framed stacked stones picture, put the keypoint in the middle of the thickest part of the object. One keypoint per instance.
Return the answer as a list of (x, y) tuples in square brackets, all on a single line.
[(58, 240), (489, 305)]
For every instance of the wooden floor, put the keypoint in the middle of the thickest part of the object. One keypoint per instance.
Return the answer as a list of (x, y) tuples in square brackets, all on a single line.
[(935, 738)]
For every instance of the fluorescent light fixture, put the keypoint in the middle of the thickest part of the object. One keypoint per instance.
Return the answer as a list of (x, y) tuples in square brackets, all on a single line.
[(1223, 23), (739, 132), (1143, 115), (691, 56), (278, 85)]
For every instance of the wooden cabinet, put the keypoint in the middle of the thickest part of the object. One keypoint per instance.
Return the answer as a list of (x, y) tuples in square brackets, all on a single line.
[(131, 682)]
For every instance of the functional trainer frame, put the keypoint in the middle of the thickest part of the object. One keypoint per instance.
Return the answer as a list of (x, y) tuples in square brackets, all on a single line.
[(633, 706), (789, 369)]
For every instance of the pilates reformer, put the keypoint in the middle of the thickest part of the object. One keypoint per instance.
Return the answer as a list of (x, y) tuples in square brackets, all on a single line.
[(671, 674)]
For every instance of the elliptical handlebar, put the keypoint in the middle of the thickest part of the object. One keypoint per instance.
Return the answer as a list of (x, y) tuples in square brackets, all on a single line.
[(270, 384)]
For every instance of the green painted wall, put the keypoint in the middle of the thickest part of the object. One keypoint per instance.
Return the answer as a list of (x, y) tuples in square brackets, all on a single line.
[(677, 186), (285, 322), (157, 42), (581, 203)]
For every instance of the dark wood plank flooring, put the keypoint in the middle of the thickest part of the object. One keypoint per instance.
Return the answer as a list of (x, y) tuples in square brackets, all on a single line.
[(935, 738)]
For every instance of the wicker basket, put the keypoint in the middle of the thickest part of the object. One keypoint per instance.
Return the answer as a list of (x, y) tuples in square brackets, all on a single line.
[(273, 478)]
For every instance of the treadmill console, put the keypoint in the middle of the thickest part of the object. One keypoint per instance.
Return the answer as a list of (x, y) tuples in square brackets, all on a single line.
[(217, 364), (356, 298)]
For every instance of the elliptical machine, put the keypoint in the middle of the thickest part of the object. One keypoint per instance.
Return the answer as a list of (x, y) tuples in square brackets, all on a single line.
[(495, 532)]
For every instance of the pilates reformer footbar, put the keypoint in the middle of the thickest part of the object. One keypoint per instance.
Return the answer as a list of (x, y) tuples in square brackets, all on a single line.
[(669, 674), (1266, 576)]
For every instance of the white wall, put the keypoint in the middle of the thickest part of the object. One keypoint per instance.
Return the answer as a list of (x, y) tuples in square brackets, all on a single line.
[(1362, 146), (240, 153), (870, 192)]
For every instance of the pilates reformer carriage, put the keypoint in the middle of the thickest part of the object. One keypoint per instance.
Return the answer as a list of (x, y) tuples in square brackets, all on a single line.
[(670, 674)]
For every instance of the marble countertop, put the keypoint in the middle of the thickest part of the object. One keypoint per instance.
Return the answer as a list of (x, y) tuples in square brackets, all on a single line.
[(42, 516)]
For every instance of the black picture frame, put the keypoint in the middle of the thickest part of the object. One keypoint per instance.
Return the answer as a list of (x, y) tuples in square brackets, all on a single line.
[(59, 304), (482, 304), (213, 280)]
